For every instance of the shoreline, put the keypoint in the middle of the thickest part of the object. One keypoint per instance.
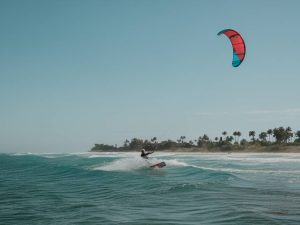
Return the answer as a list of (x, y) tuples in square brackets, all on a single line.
[(271, 154), (256, 150)]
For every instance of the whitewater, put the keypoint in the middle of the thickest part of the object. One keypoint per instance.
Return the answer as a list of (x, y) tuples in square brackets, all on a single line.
[(120, 188)]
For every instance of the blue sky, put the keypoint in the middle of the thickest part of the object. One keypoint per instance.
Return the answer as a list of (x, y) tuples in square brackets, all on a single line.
[(76, 73)]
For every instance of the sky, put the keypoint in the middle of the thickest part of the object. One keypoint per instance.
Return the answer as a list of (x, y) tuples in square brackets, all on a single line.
[(75, 73)]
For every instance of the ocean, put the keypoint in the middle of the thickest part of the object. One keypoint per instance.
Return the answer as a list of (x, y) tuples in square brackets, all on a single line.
[(120, 188)]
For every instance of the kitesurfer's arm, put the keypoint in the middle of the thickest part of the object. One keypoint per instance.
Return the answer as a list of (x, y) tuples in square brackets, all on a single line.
[(148, 153)]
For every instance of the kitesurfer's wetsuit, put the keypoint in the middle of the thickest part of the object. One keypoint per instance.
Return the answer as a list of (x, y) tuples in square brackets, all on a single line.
[(145, 154)]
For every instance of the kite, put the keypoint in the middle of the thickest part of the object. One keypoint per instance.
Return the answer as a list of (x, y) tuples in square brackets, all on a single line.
[(238, 46)]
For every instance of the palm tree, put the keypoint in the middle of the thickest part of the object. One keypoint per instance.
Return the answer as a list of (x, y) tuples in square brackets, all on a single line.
[(154, 142), (252, 134), (279, 134), (154, 139), (270, 132), (289, 133), (126, 143), (181, 139), (229, 139), (205, 138), (263, 136), (224, 133), (239, 134), (297, 134), (234, 134)]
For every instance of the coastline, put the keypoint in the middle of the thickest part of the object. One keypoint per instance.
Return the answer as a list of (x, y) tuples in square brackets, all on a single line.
[(250, 149)]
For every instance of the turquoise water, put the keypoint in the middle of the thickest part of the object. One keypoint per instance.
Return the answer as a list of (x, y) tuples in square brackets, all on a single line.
[(122, 189)]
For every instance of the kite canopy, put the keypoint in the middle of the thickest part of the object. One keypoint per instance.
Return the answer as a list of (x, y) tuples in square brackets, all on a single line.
[(238, 46)]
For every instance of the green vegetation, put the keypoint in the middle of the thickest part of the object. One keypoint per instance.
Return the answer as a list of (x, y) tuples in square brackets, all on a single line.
[(271, 140)]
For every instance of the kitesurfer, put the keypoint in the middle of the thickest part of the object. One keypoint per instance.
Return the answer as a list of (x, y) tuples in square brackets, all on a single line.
[(144, 153)]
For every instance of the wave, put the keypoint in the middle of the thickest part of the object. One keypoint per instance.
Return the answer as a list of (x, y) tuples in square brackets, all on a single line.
[(129, 161), (254, 171), (136, 163)]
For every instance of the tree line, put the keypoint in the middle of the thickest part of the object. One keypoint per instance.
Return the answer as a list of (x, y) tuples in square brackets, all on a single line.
[(226, 141)]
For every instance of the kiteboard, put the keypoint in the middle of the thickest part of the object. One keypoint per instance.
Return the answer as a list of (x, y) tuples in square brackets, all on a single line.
[(158, 165)]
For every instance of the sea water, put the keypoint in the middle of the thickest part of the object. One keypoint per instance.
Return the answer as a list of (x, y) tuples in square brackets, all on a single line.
[(120, 188)]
